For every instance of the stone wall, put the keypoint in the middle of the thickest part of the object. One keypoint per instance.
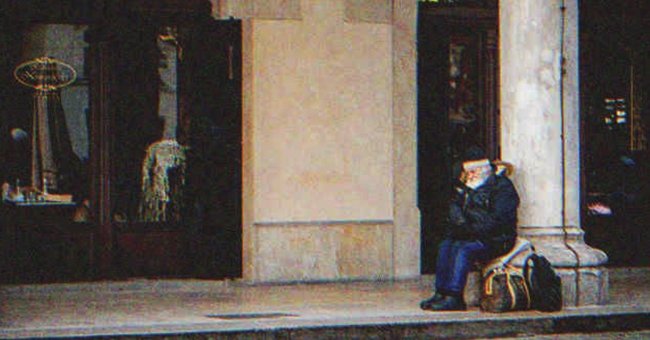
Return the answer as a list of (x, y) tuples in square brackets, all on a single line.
[(329, 138)]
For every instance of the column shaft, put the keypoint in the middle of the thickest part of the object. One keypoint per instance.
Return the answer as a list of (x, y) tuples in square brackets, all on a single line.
[(540, 137)]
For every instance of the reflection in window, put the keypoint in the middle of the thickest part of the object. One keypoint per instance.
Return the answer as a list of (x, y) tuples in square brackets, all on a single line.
[(45, 156), (149, 164), (164, 165), (463, 114), (615, 111)]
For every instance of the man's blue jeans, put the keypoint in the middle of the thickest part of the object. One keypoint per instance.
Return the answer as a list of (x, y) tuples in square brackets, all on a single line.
[(455, 260)]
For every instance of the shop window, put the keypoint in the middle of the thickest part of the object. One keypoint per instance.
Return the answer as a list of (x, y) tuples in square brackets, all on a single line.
[(45, 111), (134, 167)]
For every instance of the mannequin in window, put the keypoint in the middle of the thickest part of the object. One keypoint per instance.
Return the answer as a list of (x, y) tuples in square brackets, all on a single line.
[(163, 179)]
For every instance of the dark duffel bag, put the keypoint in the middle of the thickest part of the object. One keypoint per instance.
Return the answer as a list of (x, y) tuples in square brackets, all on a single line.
[(504, 290)]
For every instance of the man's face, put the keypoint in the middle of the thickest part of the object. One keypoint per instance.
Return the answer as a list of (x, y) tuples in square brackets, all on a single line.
[(474, 174), (476, 171)]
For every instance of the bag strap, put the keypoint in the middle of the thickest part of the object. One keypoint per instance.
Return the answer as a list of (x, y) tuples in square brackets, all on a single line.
[(527, 261), (488, 283), (518, 249)]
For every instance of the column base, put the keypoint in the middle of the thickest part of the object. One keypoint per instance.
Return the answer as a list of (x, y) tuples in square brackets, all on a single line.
[(584, 278), (584, 286)]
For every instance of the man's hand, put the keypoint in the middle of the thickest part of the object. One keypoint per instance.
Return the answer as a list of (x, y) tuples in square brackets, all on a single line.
[(458, 194), (460, 232), (477, 215), (456, 216)]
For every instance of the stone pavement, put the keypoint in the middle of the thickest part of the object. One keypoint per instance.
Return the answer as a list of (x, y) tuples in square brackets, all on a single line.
[(232, 309)]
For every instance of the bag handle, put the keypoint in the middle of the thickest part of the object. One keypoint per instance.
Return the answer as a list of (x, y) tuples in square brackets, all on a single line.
[(520, 246), (527, 267)]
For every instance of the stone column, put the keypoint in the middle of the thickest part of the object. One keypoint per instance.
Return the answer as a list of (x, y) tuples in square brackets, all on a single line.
[(540, 137)]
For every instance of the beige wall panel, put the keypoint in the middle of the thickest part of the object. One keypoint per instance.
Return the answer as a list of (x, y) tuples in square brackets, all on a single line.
[(302, 252), (364, 251), (375, 11), (277, 9), (258, 9), (239, 9), (294, 253), (322, 118)]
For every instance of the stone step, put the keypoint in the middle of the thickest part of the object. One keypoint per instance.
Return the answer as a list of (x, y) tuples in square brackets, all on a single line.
[(170, 309), (518, 326), (452, 325)]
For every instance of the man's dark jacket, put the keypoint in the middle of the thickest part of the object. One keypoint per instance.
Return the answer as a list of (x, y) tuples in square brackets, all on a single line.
[(487, 214)]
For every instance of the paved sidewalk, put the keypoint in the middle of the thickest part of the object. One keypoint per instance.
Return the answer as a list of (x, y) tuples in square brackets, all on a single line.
[(197, 308)]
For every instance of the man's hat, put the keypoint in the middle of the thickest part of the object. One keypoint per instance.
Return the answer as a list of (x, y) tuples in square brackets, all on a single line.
[(474, 157), (473, 153)]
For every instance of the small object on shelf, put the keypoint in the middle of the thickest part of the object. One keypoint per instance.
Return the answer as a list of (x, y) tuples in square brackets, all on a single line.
[(16, 195), (63, 198), (29, 196), (6, 191)]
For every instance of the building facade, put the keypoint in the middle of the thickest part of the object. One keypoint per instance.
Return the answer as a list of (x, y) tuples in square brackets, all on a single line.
[(303, 122), (330, 185)]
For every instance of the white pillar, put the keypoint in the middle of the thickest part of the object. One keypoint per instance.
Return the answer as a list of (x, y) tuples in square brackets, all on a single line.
[(540, 136)]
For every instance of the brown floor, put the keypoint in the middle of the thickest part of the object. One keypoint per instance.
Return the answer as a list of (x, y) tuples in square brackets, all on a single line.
[(173, 306)]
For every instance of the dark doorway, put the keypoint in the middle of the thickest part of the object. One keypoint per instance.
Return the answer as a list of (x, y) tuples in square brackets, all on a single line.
[(214, 105), (457, 102), (186, 223), (203, 238), (614, 88)]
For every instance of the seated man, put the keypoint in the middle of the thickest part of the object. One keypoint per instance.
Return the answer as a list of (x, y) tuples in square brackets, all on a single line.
[(482, 226)]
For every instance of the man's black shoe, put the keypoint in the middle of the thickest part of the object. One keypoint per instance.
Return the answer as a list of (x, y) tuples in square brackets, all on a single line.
[(448, 303), (426, 304)]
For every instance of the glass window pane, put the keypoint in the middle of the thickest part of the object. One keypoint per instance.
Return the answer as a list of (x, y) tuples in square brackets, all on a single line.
[(45, 144), (149, 164)]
